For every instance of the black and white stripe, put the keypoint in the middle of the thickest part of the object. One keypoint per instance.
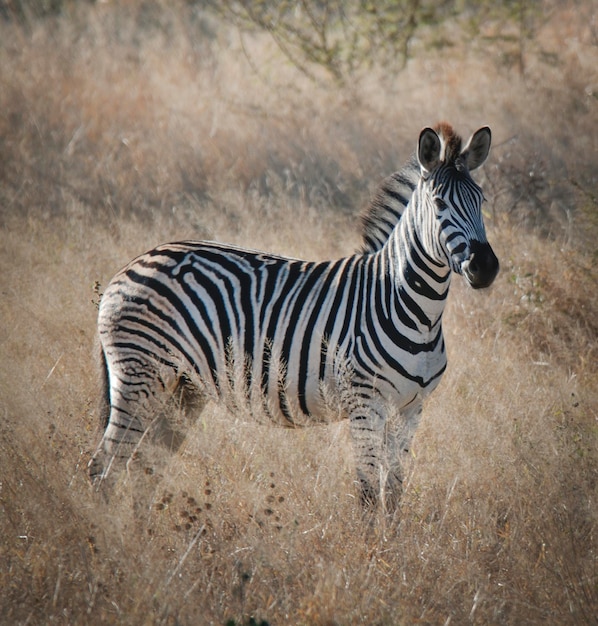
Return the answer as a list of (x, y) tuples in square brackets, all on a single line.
[(358, 338)]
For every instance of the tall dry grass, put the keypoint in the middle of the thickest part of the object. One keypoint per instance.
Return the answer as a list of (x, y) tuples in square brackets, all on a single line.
[(124, 126)]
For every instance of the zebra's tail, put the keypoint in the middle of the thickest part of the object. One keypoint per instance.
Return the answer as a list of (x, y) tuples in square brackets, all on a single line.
[(96, 467), (104, 404)]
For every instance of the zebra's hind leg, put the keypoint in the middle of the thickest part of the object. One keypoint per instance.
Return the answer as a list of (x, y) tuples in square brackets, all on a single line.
[(138, 393), (186, 402), (120, 440)]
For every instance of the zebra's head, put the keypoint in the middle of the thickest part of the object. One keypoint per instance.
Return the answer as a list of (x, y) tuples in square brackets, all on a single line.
[(453, 202)]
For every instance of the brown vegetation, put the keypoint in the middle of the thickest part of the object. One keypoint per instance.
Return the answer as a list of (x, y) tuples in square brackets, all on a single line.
[(124, 126)]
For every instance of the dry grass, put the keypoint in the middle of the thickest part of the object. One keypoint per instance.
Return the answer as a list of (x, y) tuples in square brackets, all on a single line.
[(122, 128)]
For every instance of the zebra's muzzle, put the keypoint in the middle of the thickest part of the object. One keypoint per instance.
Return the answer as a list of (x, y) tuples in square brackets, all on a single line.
[(481, 268)]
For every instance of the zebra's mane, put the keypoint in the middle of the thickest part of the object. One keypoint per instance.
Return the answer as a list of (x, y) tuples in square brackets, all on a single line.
[(451, 141), (384, 211), (386, 207)]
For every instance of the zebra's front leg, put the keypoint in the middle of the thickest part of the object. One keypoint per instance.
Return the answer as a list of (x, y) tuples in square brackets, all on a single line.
[(399, 432), (368, 433), (382, 441)]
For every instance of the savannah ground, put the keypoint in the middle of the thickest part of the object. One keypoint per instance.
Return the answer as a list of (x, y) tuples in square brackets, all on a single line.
[(126, 125)]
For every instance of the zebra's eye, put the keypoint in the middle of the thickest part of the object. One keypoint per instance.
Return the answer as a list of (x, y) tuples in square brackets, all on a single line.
[(440, 204)]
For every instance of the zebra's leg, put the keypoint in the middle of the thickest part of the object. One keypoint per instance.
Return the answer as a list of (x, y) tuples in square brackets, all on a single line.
[(367, 432), (382, 441), (138, 392), (400, 429), (187, 400)]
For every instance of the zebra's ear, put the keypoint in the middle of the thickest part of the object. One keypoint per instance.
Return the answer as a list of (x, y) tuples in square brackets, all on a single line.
[(477, 148), (428, 149)]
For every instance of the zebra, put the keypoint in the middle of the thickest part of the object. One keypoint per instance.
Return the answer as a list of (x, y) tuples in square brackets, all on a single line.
[(357, 338)]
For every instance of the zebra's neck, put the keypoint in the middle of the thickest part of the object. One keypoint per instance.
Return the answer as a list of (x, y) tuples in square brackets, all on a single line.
[(420, 282)]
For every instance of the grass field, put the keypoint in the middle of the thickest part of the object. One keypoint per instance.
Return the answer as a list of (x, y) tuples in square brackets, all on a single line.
[(126, 125)]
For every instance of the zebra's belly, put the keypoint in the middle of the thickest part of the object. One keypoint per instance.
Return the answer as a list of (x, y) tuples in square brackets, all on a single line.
[(291, 404), (333, 397)]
